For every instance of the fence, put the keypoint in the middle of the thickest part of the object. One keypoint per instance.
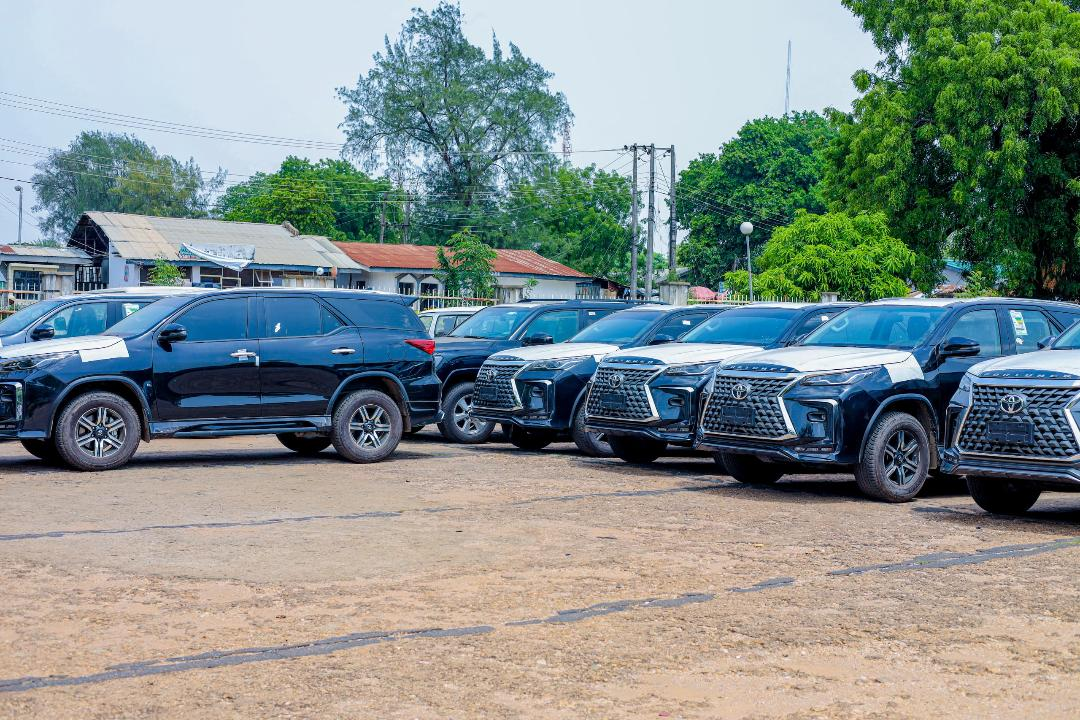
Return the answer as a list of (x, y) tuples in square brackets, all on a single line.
[(741, 300), (438, 302), (11, 301)]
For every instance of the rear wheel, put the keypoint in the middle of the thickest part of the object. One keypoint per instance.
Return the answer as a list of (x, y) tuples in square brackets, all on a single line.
[(593, 444), (750, 470), (97, 431), (305, 443), (367, 426), (896, 459), (636, 450), (458, 423), (530, 439), (43, 450), (1003, 497)]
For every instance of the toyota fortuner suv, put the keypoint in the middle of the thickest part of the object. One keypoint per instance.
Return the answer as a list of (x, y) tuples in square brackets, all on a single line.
[(867, 391), (644, 399)]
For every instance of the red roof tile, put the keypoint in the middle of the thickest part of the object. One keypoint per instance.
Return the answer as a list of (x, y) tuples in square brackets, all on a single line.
[(423, 257)]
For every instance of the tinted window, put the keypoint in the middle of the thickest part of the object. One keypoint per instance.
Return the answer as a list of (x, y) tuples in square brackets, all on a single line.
[(982, 327), (1028, 327), (215, 320), (594, 314), (23, 319), (292, 317), (445, 324), (374, 313), (676, 327), (79, 320), (493, 323), (618, 329), (901, 327), (812, 321), (561, 325), (138, 323), (426, 320), (743, 326)]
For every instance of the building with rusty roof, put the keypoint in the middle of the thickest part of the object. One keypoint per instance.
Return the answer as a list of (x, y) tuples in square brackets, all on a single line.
[(37, 271)]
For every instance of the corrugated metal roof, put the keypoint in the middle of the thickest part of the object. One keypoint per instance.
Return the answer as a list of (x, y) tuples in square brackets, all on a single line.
[(44, 251), (144, 237), (424, 258)]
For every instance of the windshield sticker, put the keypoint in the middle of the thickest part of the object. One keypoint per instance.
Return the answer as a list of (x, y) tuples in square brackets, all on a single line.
[(1019, 326), (116, 350)]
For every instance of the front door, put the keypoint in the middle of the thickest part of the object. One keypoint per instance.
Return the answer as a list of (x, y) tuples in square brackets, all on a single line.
[(306, 353), (984, 327), (214, 373)]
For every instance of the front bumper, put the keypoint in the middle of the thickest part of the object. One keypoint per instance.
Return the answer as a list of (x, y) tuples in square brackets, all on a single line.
[(1064, 476), (673, 402)]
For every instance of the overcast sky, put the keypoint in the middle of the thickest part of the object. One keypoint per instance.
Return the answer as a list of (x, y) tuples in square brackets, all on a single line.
[(690, 73)]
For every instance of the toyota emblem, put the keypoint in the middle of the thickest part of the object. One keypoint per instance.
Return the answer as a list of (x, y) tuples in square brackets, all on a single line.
[(487, 374), (740, 391), (1012, 403), (616, 380)]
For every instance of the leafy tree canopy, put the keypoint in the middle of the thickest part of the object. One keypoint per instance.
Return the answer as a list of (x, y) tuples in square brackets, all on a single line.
[(329, 197), (116, 173), (854, 256), (465, 266), (965, 135), (164, 272), (770, 169)]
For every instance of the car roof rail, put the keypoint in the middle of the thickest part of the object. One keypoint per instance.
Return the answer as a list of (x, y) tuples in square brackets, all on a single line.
[(591, 301)]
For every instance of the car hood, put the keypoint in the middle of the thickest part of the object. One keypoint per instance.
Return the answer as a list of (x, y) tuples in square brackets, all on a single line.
[(557, 351), (1058, 361), (90, 347), (684, 353), (805, 358)]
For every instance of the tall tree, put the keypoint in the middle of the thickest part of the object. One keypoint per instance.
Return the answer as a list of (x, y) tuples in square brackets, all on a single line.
[(329, 197), (118, 173), (440, 108), (965, 135), (770, 169), (466, 265)]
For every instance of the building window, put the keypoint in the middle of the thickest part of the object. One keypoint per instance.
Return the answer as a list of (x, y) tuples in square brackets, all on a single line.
[(26, 281), (219, 277), (429, 288), (406, 288)]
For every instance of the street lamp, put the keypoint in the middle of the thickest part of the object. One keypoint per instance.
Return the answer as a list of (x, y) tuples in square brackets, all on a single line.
[(746, 228), (18, 189)]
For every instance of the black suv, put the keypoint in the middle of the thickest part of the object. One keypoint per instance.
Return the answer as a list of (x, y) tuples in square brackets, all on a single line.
[(493, 329), (867, 391), (540, 391), (313, 367)]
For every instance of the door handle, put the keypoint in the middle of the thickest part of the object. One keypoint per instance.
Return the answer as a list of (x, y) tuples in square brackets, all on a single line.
[(342, 351), (242, 355)]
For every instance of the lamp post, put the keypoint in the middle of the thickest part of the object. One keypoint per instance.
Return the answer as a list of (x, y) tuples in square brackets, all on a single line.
[(18, 189), (746, 228)]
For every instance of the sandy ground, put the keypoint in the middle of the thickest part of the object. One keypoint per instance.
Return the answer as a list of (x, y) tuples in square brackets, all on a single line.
[(232, 579)]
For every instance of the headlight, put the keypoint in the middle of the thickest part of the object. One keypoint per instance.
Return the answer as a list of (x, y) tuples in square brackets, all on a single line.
[(32, 362), (698, 369), (557, 364), (845, 378)]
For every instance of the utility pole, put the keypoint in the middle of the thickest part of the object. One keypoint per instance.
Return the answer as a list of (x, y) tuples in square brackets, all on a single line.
[(405, 225), (382, 219), (787, 82), (671, 216), (652, 223), (634, 229), (18, 189)]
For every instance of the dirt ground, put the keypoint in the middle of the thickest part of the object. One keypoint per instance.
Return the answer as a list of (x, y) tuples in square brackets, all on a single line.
[(230, 578)]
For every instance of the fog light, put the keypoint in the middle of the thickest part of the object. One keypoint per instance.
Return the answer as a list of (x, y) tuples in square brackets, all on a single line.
[(817, 416)]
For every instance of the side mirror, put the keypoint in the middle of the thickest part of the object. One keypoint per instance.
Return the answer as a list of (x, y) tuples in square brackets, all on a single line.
[(538, 339), (661, 340), (959, 347), (1047, 342), (43, 332), (172, 333)]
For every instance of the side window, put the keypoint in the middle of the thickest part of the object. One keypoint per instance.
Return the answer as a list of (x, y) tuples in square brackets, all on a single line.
[(445, 324), (678, 326), (79, 320), (1028, 328), (812, 321), (982, 327), (371, 313), (330, 323), (216, 320), (594, 314), (559, 324), (130, 308), (292, 317)]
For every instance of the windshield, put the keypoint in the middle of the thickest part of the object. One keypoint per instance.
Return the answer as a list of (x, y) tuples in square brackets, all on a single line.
[(618, 328), (743, 326), (1070, 339), (899, 327), (27, 316), (147, 318), (493, 323)]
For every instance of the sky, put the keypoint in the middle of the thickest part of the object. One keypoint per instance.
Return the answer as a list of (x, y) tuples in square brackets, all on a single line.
[(688, 72)]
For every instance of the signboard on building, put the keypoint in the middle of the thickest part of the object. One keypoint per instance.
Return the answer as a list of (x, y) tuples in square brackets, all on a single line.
[(234, 257)]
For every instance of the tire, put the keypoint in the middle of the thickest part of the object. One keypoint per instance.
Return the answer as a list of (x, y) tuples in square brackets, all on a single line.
[(1003, 497), (888, 471), (306, 444), (721, 464), (636, 450), (530, 439), (367, 426), (97, 431), (590, 443), (43, 450), (750, 470), (458, 424)]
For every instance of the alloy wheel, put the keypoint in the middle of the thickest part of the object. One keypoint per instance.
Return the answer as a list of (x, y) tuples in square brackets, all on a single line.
[(370, 427), (463, 416), (902, 456), (100, 432)]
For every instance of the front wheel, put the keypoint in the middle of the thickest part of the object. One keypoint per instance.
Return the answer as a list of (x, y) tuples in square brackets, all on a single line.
[(636, 450), (896, 459), (750, 470), (367, 426), (530, 439), (593, 444), (458, 424), (1003, 497), (306, 444), (97, 431)]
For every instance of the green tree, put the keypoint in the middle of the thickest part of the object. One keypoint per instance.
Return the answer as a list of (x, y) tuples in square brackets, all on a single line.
[(465, 266), (117, 173), (770, 169), (165, 273), (854, 256), (438, 107), (965, 135), (329, 197)]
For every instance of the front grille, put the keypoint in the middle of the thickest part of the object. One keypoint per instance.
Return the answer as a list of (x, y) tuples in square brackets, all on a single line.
[(762, 400), (1052, 435), (494, 386), (632, 384)]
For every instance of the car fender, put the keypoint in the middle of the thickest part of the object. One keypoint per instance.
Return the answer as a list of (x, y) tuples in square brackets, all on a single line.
[(461, 375), (886, 404), (383, 375), (144, 406)]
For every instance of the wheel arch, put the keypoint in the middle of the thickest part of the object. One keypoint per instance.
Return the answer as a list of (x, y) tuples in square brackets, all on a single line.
[(918, 407), (459, 376), (117, 385), (374, 380)]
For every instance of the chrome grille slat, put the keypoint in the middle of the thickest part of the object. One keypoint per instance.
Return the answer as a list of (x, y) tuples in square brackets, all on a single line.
[(763, 398), (634, 384), (1053, 436), (501, 383)]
